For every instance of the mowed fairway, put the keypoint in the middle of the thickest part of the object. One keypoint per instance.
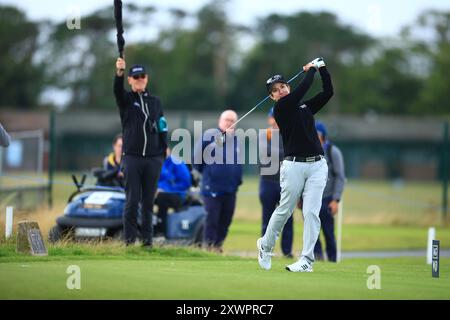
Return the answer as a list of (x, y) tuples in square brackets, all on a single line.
[(192, 274)]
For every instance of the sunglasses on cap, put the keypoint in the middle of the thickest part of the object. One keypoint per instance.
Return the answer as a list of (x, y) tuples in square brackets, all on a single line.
[(137, 76)]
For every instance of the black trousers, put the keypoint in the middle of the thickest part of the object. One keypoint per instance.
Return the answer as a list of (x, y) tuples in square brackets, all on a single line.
[(220, 212), (165, 201), (141, 181)]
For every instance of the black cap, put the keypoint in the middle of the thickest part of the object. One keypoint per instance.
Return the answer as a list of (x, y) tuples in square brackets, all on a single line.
[(278, 78), (136, 70)]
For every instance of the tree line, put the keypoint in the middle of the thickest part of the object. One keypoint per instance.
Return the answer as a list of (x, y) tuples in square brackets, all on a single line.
[(216, 64)]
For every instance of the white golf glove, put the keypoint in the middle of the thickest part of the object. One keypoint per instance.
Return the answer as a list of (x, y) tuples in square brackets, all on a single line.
[(318, 63)]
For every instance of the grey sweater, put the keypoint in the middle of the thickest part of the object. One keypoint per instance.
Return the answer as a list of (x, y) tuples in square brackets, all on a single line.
[(336, 174), (4, 137)]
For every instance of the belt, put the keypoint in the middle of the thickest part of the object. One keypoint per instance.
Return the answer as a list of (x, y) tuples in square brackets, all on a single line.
[(303, 159)]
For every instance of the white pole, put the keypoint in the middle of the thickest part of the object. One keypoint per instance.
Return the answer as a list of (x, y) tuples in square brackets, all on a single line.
[(9, 222), (431, 237), (340, 214)]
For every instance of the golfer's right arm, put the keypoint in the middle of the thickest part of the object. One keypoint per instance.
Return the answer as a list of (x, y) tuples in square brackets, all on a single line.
[(119, 91), (4, 137)]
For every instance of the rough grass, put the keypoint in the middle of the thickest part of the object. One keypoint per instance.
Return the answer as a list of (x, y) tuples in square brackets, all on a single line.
[(99, 250)]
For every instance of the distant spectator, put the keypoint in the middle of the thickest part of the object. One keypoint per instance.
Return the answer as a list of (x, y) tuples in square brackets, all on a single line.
[(220, 181), (331, 195), (112, 163), (4, 137)]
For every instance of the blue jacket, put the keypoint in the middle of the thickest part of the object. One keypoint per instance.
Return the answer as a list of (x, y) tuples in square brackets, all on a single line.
[(175, 177), (218, 178)]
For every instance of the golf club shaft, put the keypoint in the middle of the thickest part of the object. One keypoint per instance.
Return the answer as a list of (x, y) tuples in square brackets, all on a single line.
[(260, 103)]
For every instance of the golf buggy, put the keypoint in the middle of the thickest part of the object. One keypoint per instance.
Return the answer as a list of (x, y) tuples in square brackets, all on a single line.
[(96, 213)]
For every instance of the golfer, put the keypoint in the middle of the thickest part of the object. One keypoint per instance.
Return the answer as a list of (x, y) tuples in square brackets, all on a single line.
[(304, 169), (144, 146)]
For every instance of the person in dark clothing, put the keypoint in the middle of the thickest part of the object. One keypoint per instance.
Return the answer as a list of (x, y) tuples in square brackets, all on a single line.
[(331, 195), (112, 163), (304, 170), (221, 177), (173, 185), (269, 184), (144, 130)]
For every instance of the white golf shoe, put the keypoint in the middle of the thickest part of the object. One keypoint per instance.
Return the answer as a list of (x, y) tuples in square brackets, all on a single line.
[(302, 265), (264, 257)]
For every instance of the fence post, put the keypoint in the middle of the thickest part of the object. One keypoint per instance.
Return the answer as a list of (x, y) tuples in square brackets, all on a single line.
[(9, 222), (445, 147), (51, 162)]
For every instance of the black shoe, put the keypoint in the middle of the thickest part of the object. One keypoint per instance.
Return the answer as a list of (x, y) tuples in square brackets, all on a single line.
[(288, 256)]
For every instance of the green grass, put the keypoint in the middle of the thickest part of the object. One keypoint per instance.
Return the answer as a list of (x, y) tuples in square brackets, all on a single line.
[(192, 274), (377, 216), (243, 234), (366, 202)]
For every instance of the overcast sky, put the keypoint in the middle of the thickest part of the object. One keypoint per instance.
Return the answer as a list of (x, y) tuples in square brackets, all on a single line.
[(378, 17)]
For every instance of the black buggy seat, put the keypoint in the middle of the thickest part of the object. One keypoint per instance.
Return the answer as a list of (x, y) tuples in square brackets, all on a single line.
[(107, 178)]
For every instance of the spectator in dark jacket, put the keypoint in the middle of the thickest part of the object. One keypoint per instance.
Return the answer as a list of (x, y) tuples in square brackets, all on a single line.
[(173, 185), (221, 178), (331, 195), (144, 131)]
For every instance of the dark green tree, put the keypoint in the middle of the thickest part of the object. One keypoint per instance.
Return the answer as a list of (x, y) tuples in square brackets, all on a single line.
[(21, 81), (435, 96), (286, 43)]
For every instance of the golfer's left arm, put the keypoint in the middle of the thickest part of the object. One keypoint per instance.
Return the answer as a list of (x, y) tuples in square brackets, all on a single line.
[(317, 102)]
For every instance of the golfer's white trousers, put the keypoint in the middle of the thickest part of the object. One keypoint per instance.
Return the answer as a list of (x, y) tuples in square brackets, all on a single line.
[(299, 178)]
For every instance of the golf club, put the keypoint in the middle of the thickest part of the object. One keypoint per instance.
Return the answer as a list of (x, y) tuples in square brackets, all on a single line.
[(219, 139)]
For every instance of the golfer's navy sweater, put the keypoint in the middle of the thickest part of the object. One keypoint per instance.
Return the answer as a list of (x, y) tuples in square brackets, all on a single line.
[(295, 117)]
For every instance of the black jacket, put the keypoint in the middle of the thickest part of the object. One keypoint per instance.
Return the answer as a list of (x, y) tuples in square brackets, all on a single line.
[(140, 114), (295, 117)]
